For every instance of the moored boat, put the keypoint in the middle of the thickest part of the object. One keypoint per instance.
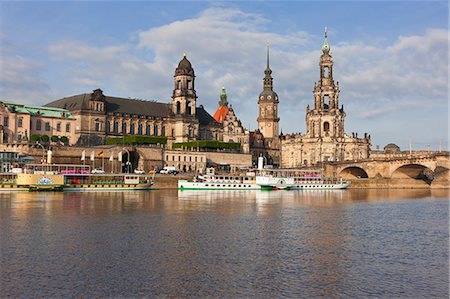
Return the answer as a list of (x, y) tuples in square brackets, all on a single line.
[(39, 177), (298, 179), (212, 181)]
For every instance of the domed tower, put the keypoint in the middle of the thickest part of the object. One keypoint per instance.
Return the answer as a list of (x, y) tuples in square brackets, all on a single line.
[(268, 106), (326, 119), (184, 97)]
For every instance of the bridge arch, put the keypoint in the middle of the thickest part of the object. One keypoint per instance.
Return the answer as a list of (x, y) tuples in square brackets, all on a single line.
[(413, 171), (353, 172)]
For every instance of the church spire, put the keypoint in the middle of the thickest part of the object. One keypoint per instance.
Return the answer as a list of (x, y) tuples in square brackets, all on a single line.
[(268, 80), (326, 46)]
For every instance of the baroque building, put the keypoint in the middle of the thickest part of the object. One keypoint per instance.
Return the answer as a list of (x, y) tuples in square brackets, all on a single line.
[(325, 138), (265, 141), (99, 116), (233, 131), (19, 122)]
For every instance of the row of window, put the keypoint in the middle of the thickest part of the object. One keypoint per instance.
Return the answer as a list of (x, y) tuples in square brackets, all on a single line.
[(132, 129), (38, 125), (47, 126), (196, 159)]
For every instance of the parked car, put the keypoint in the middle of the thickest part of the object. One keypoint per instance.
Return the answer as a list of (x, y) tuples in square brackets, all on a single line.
[(97, 170), (139, 171), (169, 170)]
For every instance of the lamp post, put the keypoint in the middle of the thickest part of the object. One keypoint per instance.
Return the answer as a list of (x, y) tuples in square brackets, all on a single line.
[(43, 151)]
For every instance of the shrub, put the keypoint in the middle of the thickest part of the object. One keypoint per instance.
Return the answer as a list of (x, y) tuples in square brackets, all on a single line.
[(45, 138), (211, 144), (35, 138), (64, 139), (137, 139), (54, 138)]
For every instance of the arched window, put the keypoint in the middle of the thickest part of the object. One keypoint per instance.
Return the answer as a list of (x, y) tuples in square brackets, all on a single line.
[(140, 129), (326, 72), (116, 127), (163, 131), (326, 126), (188, 108), (189, 84), (179, 84), (147, 129), (38, 124), (124, 128), (326, 102), (155, 130), (132, 128), (178, 108), (108, 123)]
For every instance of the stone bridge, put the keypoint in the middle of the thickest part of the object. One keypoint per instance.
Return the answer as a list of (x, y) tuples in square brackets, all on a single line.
[(427, 167)]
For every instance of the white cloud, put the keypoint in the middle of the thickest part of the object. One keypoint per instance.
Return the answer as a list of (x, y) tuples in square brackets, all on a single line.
[(21, 81)]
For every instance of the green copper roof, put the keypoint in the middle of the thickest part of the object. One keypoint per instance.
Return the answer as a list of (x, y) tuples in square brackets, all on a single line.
[(326, 46), (39, 111)]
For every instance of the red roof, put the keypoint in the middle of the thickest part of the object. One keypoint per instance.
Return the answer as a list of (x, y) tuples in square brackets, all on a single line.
[(220, 114)]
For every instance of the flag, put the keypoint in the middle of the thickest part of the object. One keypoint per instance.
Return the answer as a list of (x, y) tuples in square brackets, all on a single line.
[(119, 157), (83, 155), (101, 154), (92, 156), (111, 158)]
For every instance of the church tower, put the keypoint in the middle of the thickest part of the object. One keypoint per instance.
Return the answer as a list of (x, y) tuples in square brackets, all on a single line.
[(326, 120), (184, 96), (185, 125), (268, 120)]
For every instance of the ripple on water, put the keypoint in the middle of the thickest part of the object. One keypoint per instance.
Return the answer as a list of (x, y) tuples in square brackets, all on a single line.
[(224, 244)]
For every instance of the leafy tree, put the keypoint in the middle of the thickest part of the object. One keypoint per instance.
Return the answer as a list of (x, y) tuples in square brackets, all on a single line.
[(45, 138), (210, 144), (35, 138), (64, 139), (137, 139), (54, 138)]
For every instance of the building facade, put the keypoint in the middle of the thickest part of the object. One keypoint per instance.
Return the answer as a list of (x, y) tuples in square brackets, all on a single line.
[(20, 122), (233, 131), (325, 138), (265, 141), (99, 116)]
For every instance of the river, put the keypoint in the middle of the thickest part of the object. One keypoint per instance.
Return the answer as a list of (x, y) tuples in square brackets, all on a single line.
[(228, 244)]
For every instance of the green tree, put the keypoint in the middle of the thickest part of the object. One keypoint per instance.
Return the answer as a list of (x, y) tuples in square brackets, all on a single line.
[(35, 138), (45, 138), (64, 139), (54, 138), (137, 139)]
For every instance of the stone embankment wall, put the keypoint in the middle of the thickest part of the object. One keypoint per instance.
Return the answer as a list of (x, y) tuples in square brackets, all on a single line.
[(163, 181)]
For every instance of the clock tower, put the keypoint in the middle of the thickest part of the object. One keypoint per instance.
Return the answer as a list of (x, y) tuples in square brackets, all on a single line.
[(268, 120)]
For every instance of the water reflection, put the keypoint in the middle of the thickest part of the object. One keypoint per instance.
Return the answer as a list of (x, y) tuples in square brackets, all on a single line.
[(169, 243)]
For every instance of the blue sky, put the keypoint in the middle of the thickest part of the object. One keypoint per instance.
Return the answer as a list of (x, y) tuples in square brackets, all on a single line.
[(391, 58)]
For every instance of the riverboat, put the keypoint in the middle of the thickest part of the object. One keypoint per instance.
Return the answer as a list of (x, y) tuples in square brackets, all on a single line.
[(41, 177), (298, 179), (212, 181)]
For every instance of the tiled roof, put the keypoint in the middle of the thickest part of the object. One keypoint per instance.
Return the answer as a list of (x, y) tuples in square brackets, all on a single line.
[(138, 107), (204, 117), (115, 105), (220, 113)]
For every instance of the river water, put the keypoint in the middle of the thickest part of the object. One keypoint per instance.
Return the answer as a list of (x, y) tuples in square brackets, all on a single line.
[(228, 244)]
